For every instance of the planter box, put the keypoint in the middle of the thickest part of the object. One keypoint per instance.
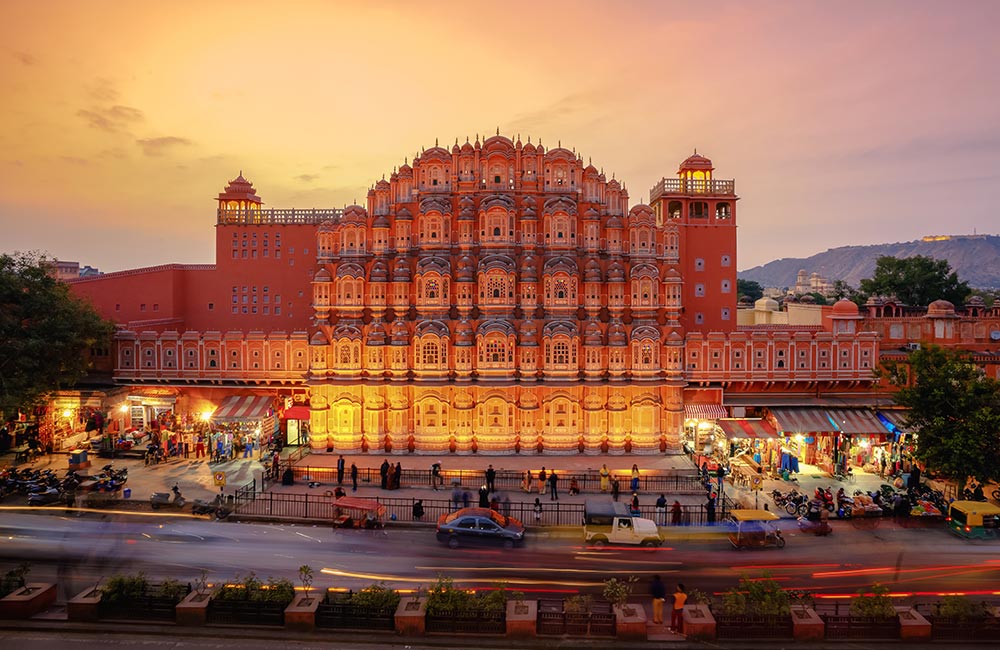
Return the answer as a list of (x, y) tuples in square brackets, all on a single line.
[(84, 606), (912, 625), (410, 616), (807, 625), (148, 607), (27, 601), (699, 622), (193, 610), (300, 615), (522, 618), (630, 622), (466, 623), (246, 612), (343, 615)]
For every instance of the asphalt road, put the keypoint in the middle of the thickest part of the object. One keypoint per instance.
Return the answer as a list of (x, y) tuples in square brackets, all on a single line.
[(78, 551)]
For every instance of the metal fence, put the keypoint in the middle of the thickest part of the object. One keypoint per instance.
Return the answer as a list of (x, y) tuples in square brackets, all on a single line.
[(320, 507), (466, 623), (753, 627), (842, 625)]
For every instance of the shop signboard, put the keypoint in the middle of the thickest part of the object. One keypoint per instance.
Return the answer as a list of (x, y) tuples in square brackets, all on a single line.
[(220, 479)]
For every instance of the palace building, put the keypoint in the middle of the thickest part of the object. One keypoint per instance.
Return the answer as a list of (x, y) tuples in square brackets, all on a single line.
[(497, 297)]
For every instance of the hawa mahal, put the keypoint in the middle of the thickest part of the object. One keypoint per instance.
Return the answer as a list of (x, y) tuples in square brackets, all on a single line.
[(497, 297)]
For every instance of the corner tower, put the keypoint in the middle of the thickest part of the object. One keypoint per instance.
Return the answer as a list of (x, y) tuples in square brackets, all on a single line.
[(704, 211)]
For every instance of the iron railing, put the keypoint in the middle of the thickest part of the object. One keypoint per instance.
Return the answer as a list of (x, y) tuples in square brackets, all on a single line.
[(553, 620), (466, 623), (246, 612), (841, 624), (753, 627), (345, 615)]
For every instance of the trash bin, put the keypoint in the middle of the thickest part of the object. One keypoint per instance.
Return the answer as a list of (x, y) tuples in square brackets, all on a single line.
[(127, 493), (288, 478)]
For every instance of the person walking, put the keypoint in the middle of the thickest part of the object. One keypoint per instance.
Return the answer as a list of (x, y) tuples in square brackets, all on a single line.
[(542, 476), (710, 510), (635, 478), (383, 471), (676, 513), (340, 470), (538, 510), (615, 488), (354, 477), (491, 477), (677, 615), (505, 505), (466, 498), (658, 591), (553, 486), (605, 474), (635, 505), (661, 510), (456, 497), (436, 479)]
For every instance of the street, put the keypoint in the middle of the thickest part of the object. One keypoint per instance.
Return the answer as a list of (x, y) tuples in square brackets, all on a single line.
[(78, 551)]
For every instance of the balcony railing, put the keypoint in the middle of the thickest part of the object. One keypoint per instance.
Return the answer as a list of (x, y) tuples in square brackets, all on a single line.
[(692, 186), (276, 216)]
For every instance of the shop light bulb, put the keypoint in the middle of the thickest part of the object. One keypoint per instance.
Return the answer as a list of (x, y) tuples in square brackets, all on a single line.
[(206, 416), (67, 413)]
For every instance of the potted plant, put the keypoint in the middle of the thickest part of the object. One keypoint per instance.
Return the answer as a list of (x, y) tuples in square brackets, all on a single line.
[(371, 608), (134, 597), (22, 599), (630, 619), (756, 609), (450, 609), (248, 600), (871, 615)]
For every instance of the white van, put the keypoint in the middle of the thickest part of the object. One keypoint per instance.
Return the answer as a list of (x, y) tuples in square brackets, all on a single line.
[(610, 522)]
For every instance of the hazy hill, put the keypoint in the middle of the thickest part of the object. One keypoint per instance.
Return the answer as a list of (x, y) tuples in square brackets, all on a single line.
[(976, 258)]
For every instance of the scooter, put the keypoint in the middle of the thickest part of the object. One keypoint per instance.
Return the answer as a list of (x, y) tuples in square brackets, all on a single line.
[(45, 497), (162, 499), (824, 495), (216, 507)]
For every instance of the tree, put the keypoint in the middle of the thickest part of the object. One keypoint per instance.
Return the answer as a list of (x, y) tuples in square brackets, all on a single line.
[(916, 281), (954, 409), (842, 289), (44, 333), (750, 289)]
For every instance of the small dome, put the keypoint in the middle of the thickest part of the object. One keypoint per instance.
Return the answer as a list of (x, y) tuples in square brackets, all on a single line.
[(463, 333), (401, 272), (592, 272), (975, 301), (400, 335), (592, 334), (403, 214), (380, 222), (614, 222), (382, 185), (766, 304), (322, 276), (376, 334), (940, 308), (318, 339), (616, 272), (379, 272), (616, 334), (845, 307), (696, 161), (529, 333)]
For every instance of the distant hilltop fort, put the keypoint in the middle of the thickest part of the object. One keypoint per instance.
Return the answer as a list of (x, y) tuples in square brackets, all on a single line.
[(932, 238)]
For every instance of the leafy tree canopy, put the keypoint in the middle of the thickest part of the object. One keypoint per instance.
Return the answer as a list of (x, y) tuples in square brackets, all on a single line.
[(749, 288), (842, 289), (44, 333), (917, 281), (954, 409)]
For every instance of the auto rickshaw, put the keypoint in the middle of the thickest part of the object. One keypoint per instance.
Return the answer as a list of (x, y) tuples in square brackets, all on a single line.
[(974, 519), (755, 529)]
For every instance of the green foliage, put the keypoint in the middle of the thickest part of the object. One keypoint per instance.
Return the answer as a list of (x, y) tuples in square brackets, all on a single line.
[(306, 578), (916, 281), (123, 588), (955, 410), (749, 288), (44, 333), (578, 604), (201, 582), (172, 590), (251, 588), (15, 579), (698, 597), (960, 608), (874, 603), (843, 290), (444, 598), (761, 596), (376, 596), (617, 592)]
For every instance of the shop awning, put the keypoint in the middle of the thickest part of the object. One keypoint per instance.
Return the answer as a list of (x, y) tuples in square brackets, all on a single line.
[(894, 421), (704, 411), (803, 420), (741, 428), (856, 421), (296, 413), (242, 408)]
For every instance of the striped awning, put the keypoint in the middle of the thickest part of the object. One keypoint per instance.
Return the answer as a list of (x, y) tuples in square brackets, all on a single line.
[(704, 411), (241, 408), (803, 420), (893, 420), (856, 421), (743, 428)]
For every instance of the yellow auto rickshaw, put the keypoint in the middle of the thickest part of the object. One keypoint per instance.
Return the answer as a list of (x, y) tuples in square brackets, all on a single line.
[(974, 519), (755, 529)]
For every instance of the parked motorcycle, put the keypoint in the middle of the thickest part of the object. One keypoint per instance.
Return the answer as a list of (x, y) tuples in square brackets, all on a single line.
[(163, 499), (216, 507), (797, 504), (825, 496), (45, 497)]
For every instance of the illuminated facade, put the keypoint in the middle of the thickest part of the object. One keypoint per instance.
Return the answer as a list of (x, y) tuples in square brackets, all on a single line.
[(498, 297)]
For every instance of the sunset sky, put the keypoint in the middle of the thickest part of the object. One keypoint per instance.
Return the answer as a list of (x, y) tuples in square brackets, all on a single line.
[(842, 122)]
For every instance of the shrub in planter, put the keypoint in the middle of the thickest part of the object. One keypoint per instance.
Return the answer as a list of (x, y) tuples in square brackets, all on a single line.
[(450, 609), (617, 592), (15, 579), (960, 608), (375, 596), (250, 588), (873, 603), (578, 604), (121, 588), (757, 597)]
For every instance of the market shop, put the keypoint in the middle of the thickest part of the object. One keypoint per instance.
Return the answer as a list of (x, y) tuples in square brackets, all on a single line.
[(240, 425)]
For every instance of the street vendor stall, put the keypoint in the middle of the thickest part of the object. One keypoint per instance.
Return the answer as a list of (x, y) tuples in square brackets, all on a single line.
[(353, 512)]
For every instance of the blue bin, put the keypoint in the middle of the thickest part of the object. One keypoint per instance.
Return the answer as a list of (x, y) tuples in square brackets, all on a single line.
[(127, 493)]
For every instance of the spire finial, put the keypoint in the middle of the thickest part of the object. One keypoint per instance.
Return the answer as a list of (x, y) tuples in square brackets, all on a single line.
[(529, 139), (696, 151), (241, 172), (406, 161), (559, 144), (435, 142), (498, 130)]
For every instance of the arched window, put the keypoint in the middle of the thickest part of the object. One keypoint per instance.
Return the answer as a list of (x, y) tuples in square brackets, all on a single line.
[(646, 354), (345, 355), (432, 289), (430, 353)]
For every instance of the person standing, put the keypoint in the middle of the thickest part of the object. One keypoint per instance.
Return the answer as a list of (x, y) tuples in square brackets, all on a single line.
[(527, 481), (676, 513), (418, 510), (615, 488), (538, 510), (199, 447), (484, 497), (542, 476), (389, 481), (710, 510), (383, 471), (659, 593), (399, 475), (635, 504), (340, 470), (491, 477), (466, 498), (635, 477), (605, 473), (677, 615), (553, 486), (505, 505), (661, 510), (354, 477), (436, 475)]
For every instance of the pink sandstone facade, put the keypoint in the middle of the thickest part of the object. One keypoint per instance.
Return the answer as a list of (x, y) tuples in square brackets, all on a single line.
[(497, 297)]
